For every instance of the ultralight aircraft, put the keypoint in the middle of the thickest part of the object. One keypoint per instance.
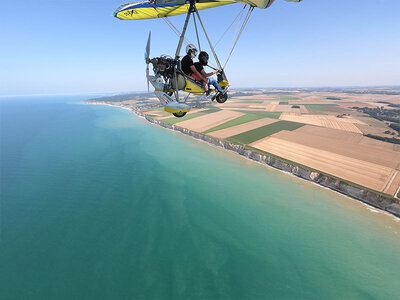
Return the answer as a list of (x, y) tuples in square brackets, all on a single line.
[(168, 78)]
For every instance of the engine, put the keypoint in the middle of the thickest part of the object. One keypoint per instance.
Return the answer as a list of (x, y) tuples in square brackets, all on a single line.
[(163, 66)]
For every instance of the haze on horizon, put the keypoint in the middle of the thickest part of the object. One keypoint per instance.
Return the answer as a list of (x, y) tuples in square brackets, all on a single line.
[(79, 47)]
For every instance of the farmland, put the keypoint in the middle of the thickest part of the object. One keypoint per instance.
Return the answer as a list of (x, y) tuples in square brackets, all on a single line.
[(264, 131), (326, 130)]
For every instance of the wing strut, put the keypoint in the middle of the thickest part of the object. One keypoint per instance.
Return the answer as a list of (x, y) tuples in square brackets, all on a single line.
[(193, 10), (178, 49), (190, 11)]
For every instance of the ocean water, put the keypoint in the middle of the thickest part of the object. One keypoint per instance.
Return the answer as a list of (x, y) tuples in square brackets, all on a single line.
[(96, 203)]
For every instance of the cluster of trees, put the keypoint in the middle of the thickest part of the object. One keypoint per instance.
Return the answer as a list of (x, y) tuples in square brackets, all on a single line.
[(389, 104), (395, 126), (382, 114), (383, 138)]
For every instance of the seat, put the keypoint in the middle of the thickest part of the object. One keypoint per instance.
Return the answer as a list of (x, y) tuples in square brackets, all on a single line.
[(179, 70)]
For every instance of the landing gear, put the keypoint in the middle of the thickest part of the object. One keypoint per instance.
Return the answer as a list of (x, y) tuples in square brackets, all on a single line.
[(180, 114), (221, 98)]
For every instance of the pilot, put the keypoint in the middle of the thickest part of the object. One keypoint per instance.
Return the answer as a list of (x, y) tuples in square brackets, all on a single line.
[(203, 61), (188, 67)]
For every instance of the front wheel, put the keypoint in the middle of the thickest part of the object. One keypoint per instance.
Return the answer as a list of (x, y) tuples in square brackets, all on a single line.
[(179, 114), (222, 98)]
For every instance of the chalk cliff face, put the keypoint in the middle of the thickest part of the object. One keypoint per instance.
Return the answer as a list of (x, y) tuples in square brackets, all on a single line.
[(389, 204)]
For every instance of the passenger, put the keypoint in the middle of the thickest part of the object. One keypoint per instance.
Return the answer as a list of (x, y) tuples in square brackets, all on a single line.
[(188, 67), (203, 61)]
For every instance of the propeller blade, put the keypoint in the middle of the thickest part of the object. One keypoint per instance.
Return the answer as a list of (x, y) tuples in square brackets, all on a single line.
[(147, 54), (147, 59), (147, 78)]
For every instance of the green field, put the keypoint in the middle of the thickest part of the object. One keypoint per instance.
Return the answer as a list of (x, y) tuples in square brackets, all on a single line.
[(240, 120), (264, 131), (252, 101), (283, 97), (262, 114), (283, 103), (174, 120), (289, 98), (319, 107), (153, 109), (211, 110)]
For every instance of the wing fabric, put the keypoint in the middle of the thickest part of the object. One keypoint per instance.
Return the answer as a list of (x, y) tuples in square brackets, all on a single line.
[(150, 10)]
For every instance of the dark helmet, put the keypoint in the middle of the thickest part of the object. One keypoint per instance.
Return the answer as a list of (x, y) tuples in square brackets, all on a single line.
[(203, 58)]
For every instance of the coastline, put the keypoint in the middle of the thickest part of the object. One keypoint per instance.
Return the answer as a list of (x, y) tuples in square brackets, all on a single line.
[(371, 198)]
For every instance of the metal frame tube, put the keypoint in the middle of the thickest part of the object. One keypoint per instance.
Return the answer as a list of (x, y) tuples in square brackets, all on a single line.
[(178, 49), (181, 38)]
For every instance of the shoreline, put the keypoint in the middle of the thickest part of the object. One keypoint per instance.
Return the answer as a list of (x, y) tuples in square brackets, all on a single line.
[(386, 204)]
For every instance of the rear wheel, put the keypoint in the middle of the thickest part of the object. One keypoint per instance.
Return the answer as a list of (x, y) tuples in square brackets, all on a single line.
[(222, 98), (179, 114)]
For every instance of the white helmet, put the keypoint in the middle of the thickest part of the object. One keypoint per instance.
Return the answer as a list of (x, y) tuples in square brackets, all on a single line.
[(191, 50)]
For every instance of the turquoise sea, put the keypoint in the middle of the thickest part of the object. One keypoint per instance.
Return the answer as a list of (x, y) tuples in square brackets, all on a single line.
[(96, 203)]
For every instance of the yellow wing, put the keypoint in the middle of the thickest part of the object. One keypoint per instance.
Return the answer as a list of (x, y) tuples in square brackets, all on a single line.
[(148, 10)]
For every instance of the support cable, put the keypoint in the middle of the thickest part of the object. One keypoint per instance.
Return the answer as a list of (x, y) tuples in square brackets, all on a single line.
[(175, 30), (229, 27), (209, 41), (240, 33), (197, 33), (239, 24)]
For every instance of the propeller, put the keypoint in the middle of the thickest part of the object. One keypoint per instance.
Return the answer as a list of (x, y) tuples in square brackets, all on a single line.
[(147, 59)]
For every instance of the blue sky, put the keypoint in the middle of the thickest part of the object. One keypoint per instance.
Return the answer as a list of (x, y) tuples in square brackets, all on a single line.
[(50, 47)]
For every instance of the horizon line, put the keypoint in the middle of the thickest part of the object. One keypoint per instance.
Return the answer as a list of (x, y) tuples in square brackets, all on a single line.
[(238, 88)]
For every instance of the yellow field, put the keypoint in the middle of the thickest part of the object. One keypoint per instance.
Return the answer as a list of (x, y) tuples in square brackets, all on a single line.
[(208, 121), (159, 113), (346, 124), (236, 104), (272, 106), (244, 109), (346, 144), (371, 175)]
